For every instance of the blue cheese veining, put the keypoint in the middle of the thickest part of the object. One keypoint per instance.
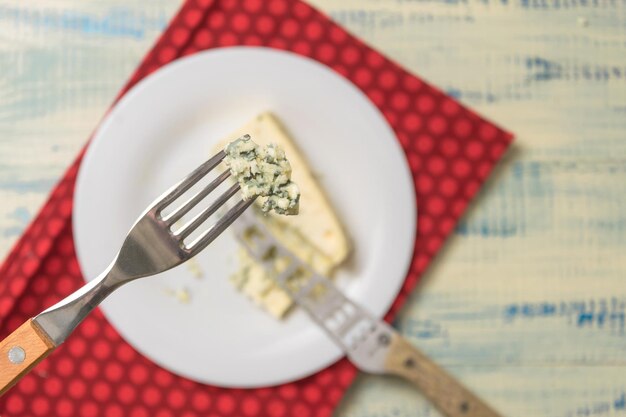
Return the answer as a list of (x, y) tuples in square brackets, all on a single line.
[(264, 172)]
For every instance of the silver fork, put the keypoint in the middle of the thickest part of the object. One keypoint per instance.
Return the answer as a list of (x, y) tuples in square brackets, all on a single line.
[(151, 247), (371, 345)]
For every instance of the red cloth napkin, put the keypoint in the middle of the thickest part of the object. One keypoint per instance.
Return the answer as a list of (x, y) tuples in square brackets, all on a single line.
[(450, 150)]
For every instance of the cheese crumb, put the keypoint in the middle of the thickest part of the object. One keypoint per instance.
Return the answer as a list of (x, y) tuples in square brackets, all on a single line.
[(264, 172), (182, 295), (194, 268)]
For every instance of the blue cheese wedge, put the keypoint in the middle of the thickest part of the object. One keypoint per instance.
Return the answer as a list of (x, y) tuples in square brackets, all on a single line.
[(315, 235), (263, 172)]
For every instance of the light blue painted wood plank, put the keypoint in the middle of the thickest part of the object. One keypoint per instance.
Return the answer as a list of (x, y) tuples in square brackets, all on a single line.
[(61, 65)]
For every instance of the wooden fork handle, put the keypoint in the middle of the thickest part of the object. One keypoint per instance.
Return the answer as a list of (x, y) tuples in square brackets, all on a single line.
[(445, 392), (20, 352)]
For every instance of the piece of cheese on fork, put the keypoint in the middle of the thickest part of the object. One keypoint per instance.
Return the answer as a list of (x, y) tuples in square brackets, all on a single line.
[(315, 235)]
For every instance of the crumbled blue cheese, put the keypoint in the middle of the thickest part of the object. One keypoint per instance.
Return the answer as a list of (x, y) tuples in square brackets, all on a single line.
[(264, 172)]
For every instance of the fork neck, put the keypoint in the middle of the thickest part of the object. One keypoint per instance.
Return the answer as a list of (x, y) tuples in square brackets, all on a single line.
[(62, 318)]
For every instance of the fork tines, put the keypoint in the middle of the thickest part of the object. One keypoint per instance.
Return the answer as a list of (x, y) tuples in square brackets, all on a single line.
[(192, 225)]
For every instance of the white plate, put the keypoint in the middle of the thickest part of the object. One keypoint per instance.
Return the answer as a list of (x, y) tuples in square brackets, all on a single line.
[(166, 126)]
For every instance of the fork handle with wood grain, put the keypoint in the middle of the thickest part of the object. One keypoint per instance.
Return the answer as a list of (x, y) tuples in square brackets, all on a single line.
[(443, 390), (20, 352)]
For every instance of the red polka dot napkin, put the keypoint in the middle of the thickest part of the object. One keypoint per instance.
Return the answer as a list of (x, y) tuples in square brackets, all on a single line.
[(450, 150)]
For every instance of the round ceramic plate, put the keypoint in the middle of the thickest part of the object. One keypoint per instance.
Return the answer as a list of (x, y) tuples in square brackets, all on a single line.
[(165, 127)]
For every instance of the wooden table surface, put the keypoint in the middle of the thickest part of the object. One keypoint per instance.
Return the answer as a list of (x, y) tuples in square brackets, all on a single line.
[(526, 304)]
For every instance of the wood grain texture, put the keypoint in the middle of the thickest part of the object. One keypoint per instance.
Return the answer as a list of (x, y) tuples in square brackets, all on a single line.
[(444, 391), (527, 303), (29, 341)]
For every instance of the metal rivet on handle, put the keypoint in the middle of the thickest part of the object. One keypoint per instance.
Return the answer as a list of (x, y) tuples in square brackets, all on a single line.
[(16, 355), (464, 407), (409, 363)]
